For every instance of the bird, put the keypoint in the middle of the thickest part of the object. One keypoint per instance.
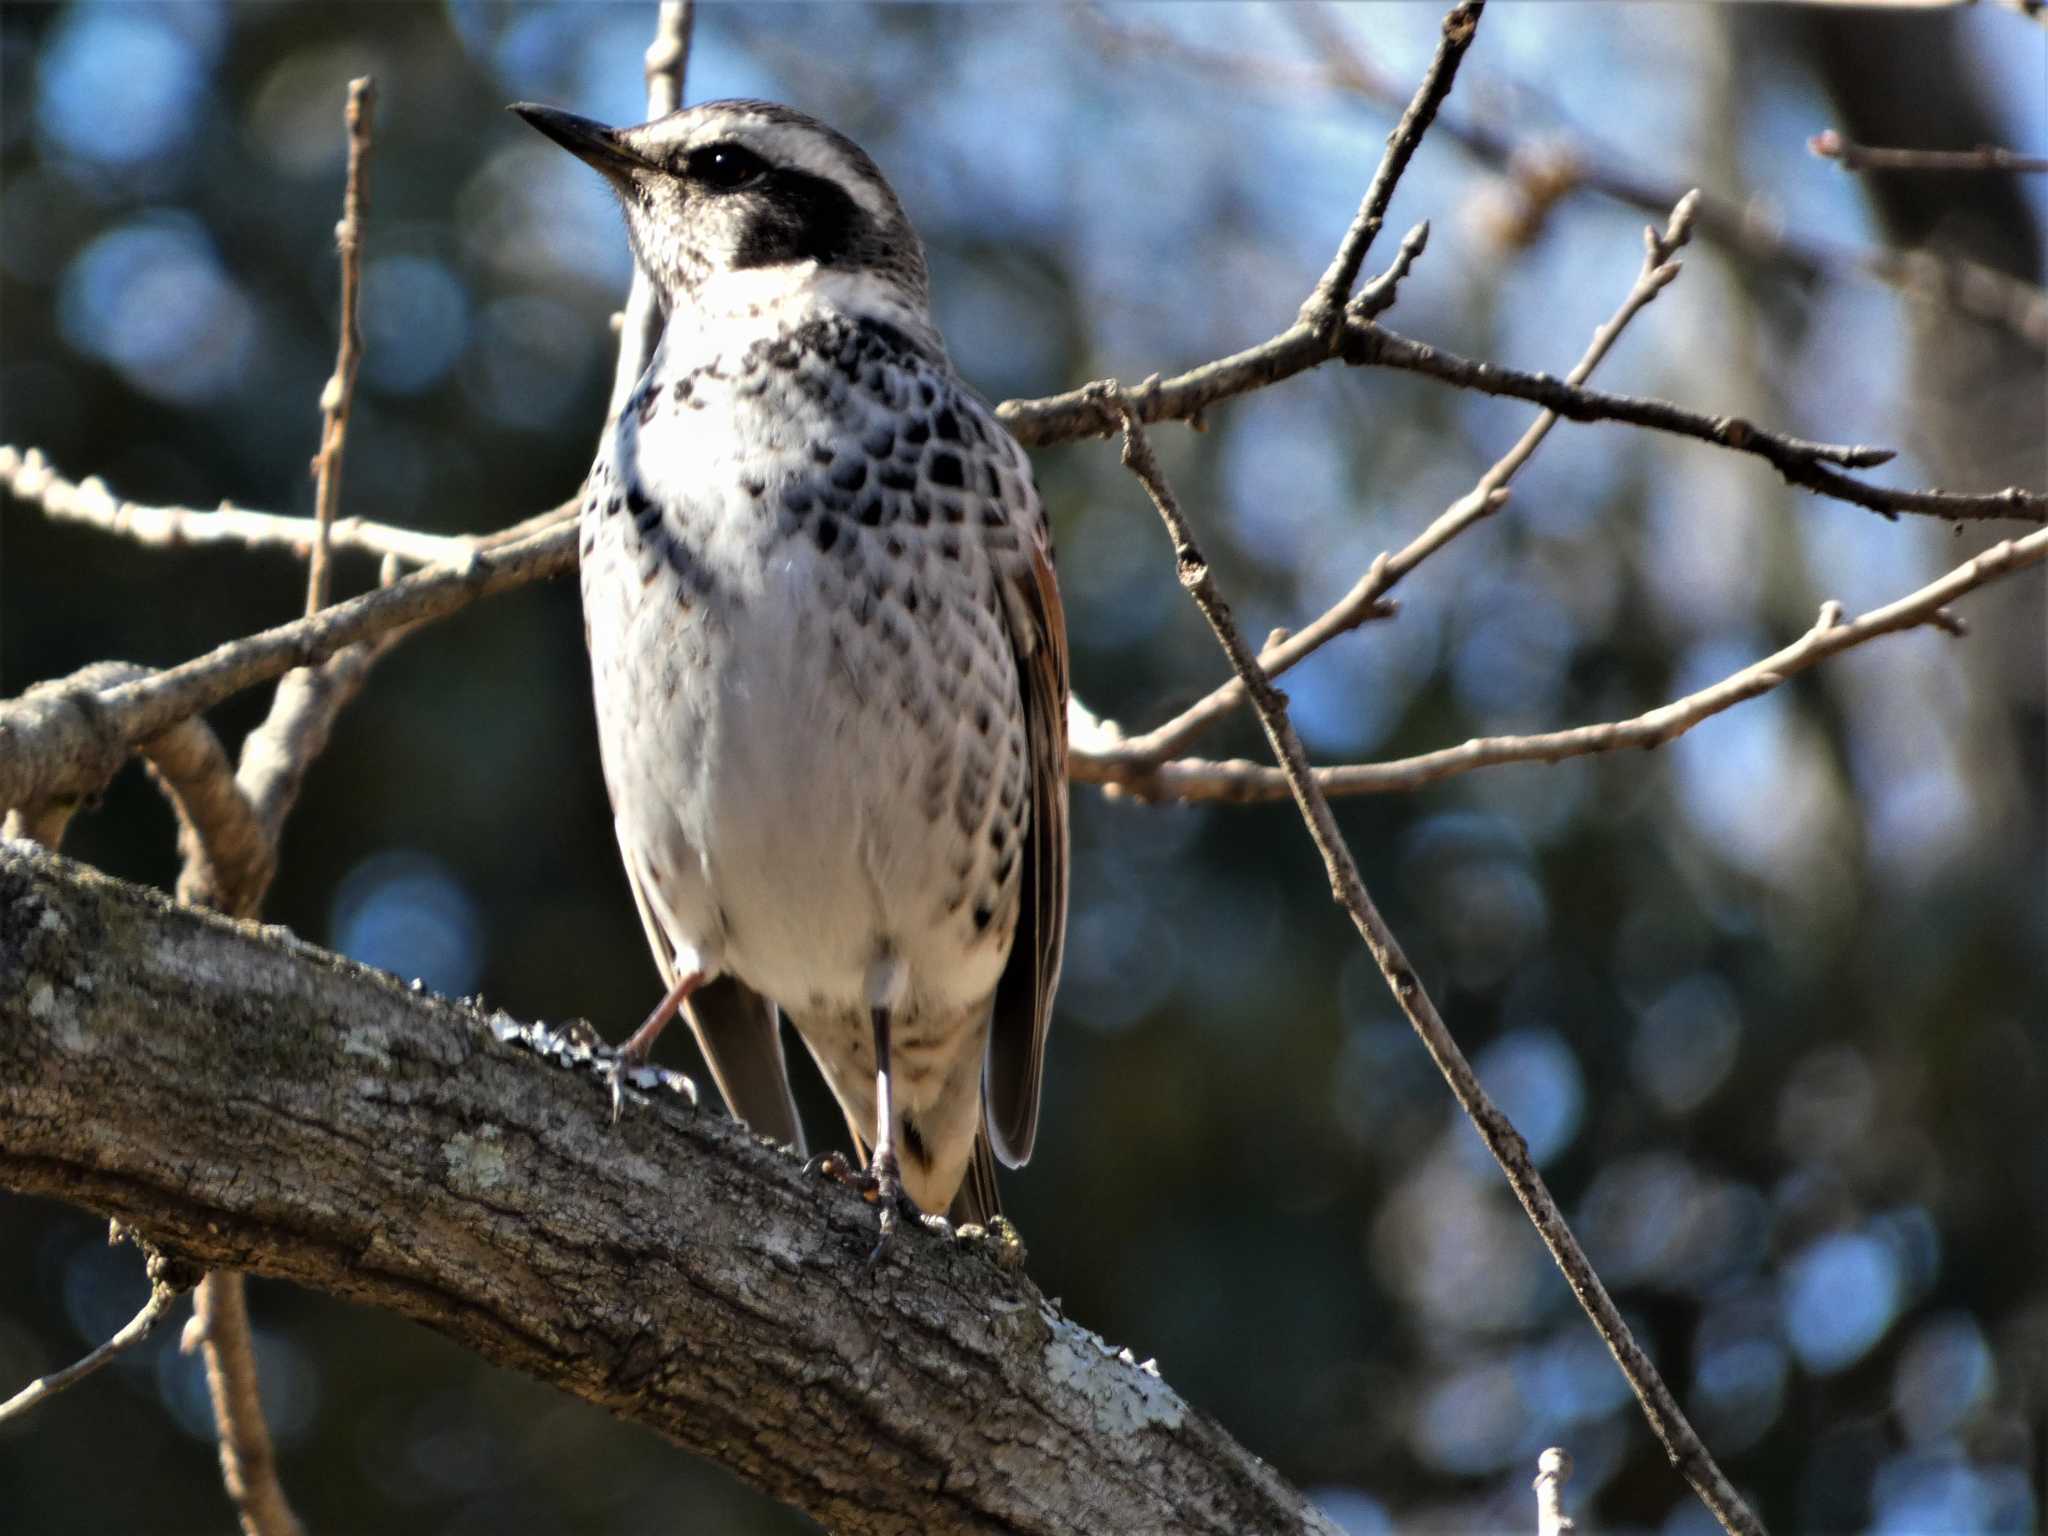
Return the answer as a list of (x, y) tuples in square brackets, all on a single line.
[(829, 661)]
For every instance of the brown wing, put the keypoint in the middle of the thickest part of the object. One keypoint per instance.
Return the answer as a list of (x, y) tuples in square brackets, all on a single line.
[(1023, 1007)]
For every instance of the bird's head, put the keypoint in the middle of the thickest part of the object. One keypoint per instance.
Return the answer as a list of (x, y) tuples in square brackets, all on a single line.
[(748, 187)]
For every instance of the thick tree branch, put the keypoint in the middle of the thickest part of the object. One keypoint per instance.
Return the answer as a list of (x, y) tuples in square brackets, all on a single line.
[(1347, 889), (251, 1102)]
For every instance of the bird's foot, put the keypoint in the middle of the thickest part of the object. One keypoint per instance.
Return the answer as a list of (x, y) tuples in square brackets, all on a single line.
[(614, 1068), (880, 1184)]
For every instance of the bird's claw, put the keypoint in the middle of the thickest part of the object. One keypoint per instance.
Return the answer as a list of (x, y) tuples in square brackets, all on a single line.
[(880, 1184)]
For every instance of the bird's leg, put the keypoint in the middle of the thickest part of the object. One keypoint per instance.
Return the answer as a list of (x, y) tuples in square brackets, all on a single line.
[(882, 1182), (883, 1169), (638, 1049)]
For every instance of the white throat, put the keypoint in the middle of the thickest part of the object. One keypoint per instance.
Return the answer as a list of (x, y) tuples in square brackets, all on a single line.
[(804, 291)]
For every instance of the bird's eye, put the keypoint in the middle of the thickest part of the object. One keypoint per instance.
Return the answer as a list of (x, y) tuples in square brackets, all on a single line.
[(724, 167)]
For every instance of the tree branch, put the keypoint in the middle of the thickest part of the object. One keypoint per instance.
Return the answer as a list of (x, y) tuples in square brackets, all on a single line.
[(1078, 414), (666, 62), (1126, 761), (251, 1102), (1347, 888), (1830, 145), (1546, 176), (338, 397), (28, 477), (54, 739), (162, 1297), (1323, 313), (1186, 779)]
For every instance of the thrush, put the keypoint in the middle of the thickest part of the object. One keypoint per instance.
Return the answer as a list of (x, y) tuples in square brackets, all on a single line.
[(829, 659)]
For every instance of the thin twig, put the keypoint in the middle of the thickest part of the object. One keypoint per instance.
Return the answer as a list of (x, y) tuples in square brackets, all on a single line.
[(1236, 780), (1666, 1420), (31, 480), (220, 1330), (1323, 312), (338, 397), (666, 61), (275, 759), (162, 1297), (1830, 145), (1366, 599), (1553, 1471), (52, 739), (1746, 227), (1076, 414), (1377, 296)]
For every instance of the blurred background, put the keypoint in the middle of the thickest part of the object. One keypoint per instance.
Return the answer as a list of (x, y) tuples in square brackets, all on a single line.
[(1769, 1004)]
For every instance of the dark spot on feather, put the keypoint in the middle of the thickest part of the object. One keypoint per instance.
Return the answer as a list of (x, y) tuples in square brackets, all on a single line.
[(850, 474), (826, 533), (945, 469)]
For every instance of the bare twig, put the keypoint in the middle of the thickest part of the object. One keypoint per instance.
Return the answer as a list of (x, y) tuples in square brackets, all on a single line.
[(1666, 1420), (1745, 227), (1377, 296), (1323, 313), (29, 478), (1076, 414), (666, 61), (1365, 600), (1553, 1471), (1238, 780), (162, 1297), (1830, 145), (230, 859), (339, 395), (54, 739), (220, 1330)]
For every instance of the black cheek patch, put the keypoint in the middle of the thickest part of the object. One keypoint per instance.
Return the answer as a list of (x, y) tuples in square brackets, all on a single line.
[(797, 217)]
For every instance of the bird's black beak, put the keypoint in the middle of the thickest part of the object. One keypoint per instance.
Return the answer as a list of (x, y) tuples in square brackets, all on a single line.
[(589, 141)]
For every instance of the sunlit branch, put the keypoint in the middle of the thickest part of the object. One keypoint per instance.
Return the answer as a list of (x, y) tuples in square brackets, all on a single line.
[(1831, 634), (1347, 888)]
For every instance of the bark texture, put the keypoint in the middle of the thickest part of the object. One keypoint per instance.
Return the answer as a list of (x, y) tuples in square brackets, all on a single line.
[(255, 1103)]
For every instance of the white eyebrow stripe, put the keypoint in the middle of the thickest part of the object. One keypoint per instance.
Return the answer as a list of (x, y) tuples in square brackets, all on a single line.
[(803, 150)]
